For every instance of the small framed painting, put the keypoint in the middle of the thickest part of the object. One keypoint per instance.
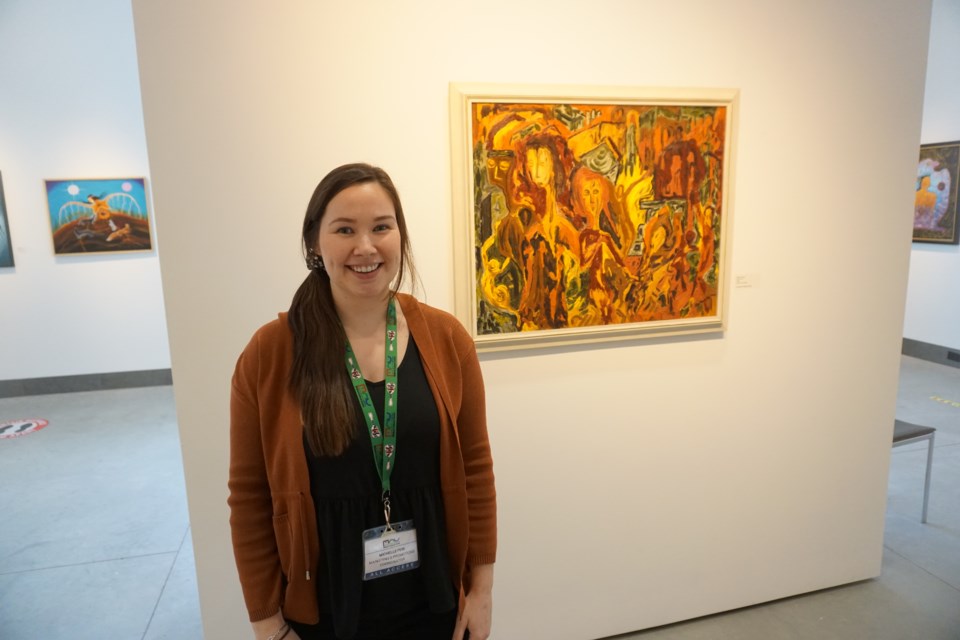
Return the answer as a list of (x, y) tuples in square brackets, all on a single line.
[(98, 215), (935, 202), (586, 214), (6, 245)]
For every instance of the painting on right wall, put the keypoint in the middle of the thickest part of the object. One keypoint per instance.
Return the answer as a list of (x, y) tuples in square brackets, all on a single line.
[(6, 246), (935, 202)]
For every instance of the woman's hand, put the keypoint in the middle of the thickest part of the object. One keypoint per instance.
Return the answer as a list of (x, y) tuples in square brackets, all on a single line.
[(477, 613), (272, 627)]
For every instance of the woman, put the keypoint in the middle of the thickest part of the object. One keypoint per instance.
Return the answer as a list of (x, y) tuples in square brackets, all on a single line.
[(351, 523)]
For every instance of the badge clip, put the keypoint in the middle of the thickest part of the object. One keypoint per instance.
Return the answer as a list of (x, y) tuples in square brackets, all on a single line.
[(386, 512)]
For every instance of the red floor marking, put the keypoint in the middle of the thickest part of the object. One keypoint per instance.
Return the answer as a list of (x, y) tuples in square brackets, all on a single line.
[(17, 428)]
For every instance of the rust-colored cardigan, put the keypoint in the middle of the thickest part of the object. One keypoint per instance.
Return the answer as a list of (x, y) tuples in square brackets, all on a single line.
[(272, 516)]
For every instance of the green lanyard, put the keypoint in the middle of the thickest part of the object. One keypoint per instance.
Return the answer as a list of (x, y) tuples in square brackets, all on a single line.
[(384, 441)]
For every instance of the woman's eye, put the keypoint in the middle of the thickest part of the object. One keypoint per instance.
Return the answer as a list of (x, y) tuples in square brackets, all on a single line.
[(382, 227), (344, 230)]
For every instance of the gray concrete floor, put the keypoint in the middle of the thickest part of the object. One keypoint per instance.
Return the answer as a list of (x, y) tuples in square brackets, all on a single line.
[(95, 537), (95, 540)]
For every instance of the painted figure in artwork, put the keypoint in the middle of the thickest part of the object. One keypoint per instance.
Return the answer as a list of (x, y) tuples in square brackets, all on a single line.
[(552, 240), (932, 196), (493, 205), (604, 238), (100, 208)]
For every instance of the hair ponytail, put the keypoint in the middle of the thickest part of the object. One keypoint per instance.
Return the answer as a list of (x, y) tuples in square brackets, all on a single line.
[(317, 373), (318, 377)]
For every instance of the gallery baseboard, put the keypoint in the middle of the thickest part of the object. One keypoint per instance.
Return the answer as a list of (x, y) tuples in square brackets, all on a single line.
[(87, 382), (161, 377), (931, 352)]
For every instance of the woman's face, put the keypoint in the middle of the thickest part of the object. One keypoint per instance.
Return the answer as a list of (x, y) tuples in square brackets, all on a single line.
[(359, 241)]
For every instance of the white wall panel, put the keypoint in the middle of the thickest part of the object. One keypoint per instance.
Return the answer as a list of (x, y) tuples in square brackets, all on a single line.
[(692, 475)]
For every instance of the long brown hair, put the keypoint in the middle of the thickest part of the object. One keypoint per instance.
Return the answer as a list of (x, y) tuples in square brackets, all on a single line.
[(318, 377)]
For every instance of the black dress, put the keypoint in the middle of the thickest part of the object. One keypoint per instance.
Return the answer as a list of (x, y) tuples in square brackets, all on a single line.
[(346, 491)]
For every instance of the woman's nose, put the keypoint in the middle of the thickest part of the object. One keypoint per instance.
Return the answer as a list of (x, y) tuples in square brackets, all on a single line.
[(364, 245)]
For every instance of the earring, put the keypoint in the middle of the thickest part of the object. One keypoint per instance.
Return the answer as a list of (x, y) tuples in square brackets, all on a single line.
[(314, 262)]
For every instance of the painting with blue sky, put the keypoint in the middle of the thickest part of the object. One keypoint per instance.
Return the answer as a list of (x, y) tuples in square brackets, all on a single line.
[(93, 216)]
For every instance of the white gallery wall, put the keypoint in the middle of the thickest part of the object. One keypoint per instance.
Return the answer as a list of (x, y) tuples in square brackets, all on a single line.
[(70, 108), (933, 300), (639, 483)]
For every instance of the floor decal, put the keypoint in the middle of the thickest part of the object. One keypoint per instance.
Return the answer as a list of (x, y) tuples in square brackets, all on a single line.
[(17, 428), (952, 403)]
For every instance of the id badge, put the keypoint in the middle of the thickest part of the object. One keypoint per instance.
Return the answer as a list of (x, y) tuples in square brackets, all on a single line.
[(386, 552)]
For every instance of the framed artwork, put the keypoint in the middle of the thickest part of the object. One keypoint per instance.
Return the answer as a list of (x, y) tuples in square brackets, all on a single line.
[(99, 215), (935, 202), (6, 244), (585, 214)]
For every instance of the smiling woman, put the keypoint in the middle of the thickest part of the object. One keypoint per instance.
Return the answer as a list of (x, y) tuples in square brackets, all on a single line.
[(360, 246), (327, 544)]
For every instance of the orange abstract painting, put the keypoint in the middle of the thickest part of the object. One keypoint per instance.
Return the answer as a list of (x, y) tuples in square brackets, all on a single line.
[(595, 214)]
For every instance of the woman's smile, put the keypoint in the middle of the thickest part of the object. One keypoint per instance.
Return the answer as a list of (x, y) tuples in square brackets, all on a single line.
[(367, 268)]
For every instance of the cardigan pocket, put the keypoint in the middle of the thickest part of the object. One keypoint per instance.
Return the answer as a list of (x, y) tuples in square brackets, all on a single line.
[(291, 528), (286, 529), (284, 534)]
